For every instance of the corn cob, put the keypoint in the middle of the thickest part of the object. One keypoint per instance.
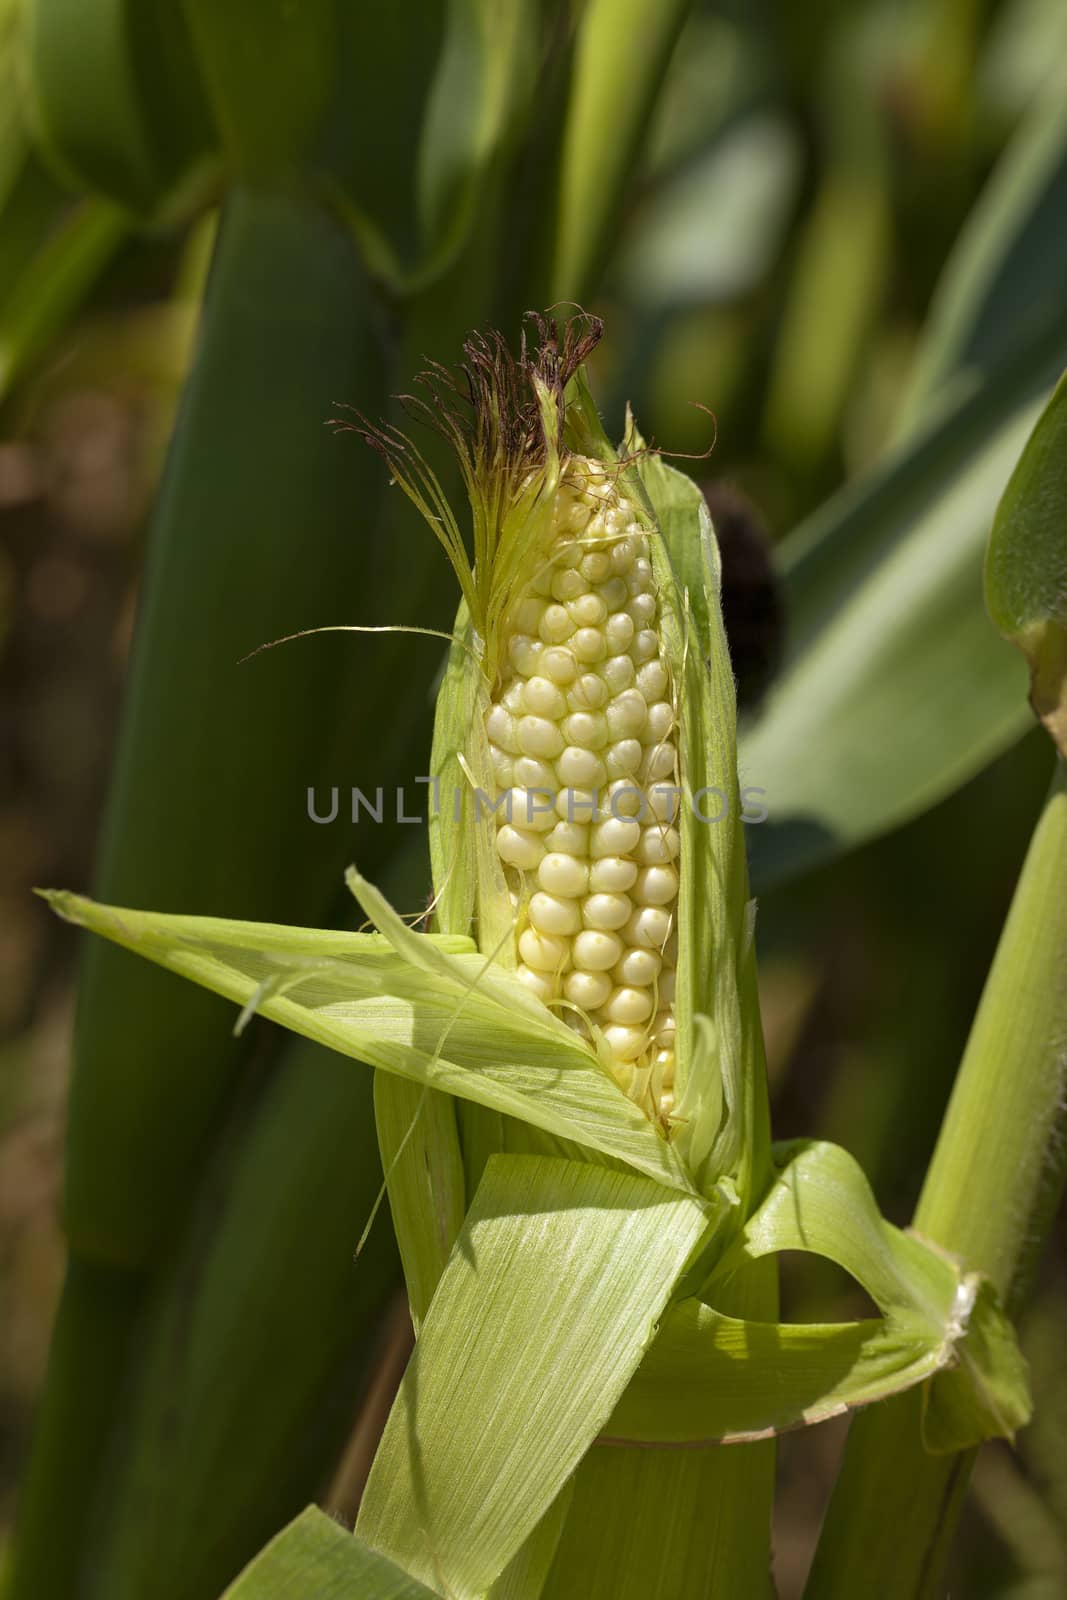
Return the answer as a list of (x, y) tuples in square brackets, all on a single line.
[(577, 740), (581, 739)]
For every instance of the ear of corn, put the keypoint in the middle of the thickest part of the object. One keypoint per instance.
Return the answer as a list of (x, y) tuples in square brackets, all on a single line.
[(587, 707), (581, 731)]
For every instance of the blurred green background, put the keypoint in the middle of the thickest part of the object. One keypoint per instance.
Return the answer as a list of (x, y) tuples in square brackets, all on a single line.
[(792, 243)]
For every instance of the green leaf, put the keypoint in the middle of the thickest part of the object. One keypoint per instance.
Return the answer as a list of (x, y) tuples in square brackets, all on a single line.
[(986, 1392), (268, 67), (424, 1176), (525, 1574), (544, 1310), (483, 83), (717, 1007), (313, 1556), (116, 100), (842, 252), (837, 285), (88, 1362), (223, 1433), (53, 284), (444, 1019), (444, 119), (821, 1202), (893, 694), (674, 1524), (31, 201), (895, 691), (1026, 564), (216, 756), (710, 1377), (1003, 282), (613, 93)]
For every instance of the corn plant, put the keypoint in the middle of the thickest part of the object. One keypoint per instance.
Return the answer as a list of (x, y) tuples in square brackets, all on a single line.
[(568, 1093), (589, 1236)]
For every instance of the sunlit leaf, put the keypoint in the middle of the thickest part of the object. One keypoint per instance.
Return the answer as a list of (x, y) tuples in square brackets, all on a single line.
[(693, 1536), (544, 1310), (444, 1020), (710, 1377), (315, 1556)]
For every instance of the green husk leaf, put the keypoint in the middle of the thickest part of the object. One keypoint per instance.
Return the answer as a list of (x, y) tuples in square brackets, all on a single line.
[(713, 1379), (716, 1503), (423, 1168), (437, 1015), (674, 1524), (417, 1127), (1026, 564), (721, 1102), (820, 1202), (524, 1576), (316, 1556), (454, 872), (986, 1392), (569, 1264)]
